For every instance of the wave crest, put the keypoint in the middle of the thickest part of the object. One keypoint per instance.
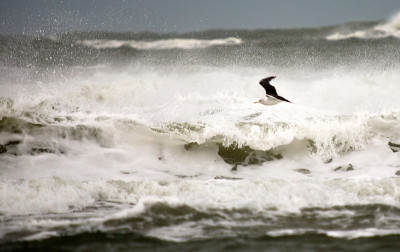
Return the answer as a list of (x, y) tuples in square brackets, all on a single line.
[(163, 44), (380, 31)]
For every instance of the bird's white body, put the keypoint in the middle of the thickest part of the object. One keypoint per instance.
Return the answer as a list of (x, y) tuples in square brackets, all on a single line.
[(269, 101)]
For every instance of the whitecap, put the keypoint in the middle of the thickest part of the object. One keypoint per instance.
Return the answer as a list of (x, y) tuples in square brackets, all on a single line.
[(163, 44)]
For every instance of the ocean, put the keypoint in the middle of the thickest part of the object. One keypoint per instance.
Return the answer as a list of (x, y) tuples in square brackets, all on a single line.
[(152, 141)]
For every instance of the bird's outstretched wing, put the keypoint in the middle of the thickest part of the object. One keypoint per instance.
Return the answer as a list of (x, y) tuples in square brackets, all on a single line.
[(269, 89)]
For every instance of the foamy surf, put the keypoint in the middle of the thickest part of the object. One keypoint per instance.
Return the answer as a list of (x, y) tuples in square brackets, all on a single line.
[(154, 140)]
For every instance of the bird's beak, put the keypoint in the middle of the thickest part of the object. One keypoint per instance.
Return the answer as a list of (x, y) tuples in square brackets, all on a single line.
[(255, 102)]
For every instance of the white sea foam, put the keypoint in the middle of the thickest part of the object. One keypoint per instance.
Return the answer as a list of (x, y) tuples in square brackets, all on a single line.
[(54, 195), (228, 201), (163, 44), (388, 29), (41, 236), (180, 152), (157, 113), (352, 234), (142, 138)]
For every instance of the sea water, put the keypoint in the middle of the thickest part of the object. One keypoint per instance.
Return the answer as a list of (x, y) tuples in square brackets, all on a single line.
[(124, 141)]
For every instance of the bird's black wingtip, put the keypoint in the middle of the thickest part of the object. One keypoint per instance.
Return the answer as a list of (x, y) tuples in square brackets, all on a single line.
[(267, 80)]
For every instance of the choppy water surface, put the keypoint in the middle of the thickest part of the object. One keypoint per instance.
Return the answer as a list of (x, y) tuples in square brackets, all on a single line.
[(114, 142)]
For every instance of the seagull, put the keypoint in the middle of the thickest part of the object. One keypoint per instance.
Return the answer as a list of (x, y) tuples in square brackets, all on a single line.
[(272, 96)]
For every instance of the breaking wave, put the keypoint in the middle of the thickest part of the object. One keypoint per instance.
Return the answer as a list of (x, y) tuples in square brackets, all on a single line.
[(380, 31), (164, 44), (150, 136)]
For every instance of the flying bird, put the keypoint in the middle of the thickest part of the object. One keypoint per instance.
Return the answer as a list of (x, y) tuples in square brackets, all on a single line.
[(271, 97)]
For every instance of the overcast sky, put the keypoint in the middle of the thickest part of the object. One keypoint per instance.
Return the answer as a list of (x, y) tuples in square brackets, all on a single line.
[(56, 16)]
